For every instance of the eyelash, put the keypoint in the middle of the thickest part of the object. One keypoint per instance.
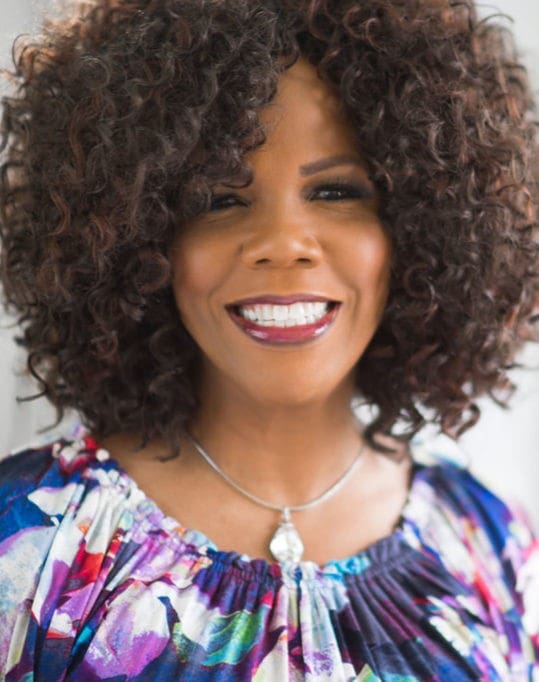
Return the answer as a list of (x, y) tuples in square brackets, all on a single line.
[(352, 191)]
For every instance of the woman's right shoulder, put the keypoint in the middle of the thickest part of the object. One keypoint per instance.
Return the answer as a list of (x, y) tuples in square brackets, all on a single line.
[(28, 472), (25, 469)]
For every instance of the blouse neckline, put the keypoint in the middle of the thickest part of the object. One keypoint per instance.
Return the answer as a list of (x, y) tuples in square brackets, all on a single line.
[(382, 551)]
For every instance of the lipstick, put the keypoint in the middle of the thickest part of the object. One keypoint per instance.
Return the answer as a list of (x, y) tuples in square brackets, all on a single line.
[(285, 335)]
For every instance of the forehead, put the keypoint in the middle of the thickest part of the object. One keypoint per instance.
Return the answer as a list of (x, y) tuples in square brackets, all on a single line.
[(307, 113), (300, 89)]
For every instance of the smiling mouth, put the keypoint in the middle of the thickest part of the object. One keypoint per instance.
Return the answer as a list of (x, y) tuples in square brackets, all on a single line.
[(293, 326)]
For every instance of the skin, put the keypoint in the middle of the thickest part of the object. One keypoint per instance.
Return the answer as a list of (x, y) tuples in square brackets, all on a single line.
[(277, 418)]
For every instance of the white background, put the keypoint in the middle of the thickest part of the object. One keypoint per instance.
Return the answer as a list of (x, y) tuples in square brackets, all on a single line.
[(502, 449)]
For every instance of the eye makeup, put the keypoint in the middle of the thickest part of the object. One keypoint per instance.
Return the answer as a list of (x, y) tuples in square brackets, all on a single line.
[(338, 188), (342, 189)]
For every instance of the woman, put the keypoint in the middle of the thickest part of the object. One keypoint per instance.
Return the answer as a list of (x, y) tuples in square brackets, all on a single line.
[(224, 222)]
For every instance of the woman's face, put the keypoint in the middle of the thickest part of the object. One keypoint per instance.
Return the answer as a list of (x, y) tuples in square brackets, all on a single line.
[(307, 225)]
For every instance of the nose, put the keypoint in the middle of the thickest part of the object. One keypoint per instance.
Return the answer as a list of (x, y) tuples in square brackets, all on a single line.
[(281, 243)]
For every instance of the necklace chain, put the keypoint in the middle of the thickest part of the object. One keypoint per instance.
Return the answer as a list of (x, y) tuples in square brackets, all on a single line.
[(284, 509)]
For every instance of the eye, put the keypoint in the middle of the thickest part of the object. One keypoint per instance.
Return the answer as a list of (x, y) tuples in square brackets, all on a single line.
[(220, 202), (338, 190), (335, 190)]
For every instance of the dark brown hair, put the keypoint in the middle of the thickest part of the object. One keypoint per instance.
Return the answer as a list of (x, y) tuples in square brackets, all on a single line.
[(123, 116)]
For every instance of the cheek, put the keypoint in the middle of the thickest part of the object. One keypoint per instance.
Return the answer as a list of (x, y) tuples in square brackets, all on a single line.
[(191, 284), (380, 259), (195, 268), (368, 263)]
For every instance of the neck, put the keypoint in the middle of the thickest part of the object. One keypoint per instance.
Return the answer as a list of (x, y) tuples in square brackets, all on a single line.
[(286, 454)]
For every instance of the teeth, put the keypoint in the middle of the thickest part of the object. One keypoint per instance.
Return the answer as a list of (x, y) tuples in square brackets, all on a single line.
[(280, 312), (299, 309), (285, 315)]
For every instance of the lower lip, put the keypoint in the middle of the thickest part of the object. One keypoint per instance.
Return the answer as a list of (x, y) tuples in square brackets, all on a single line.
[(286, 335)]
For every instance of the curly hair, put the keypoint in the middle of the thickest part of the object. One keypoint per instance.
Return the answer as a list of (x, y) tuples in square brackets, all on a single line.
[(125, 113)]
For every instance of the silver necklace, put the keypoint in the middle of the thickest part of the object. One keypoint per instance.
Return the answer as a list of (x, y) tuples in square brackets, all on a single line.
[(286, 543)]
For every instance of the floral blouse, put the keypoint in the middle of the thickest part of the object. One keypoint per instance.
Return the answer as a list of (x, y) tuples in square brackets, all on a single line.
[(97, 583)]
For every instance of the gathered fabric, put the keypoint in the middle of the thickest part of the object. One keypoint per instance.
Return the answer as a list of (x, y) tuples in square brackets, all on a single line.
[(97, 583)]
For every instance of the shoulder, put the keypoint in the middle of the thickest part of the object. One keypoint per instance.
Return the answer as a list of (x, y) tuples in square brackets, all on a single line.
[(486, 542), (37, 487), (49, 502), (21, 473), (458, 497), (23, 470), (48, 467)]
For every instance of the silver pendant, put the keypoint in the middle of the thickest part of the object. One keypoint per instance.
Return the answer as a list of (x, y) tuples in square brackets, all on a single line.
[(286, 544)]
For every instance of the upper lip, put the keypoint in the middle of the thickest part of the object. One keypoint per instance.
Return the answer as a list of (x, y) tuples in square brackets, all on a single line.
[(280, 300)]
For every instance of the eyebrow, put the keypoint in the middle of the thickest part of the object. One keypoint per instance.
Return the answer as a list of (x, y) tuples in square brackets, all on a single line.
[(329, 162)]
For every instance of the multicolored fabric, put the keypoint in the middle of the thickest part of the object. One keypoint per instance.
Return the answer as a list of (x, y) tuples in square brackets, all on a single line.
[(96, 583)]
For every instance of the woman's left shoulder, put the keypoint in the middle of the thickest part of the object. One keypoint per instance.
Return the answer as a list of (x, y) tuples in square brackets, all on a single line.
[(458, 493), (484, 540)]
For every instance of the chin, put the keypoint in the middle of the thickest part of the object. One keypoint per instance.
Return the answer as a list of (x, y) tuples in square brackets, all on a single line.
[(293, 392)]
